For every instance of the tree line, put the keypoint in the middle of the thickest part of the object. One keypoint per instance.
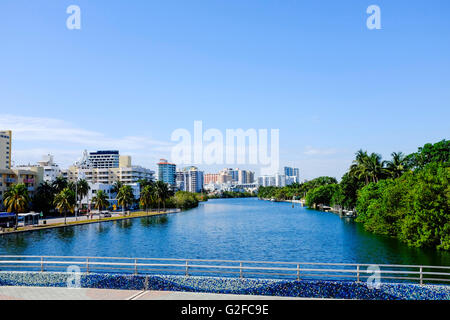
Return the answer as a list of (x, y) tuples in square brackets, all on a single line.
[(62, 196), (406, 197)]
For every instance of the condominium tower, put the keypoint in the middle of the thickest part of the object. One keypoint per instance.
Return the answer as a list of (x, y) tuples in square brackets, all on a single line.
[(5, 149), (190, 179), (167, 172)]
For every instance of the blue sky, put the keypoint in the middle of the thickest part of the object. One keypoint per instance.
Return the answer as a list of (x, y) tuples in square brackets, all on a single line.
[(138, 70)]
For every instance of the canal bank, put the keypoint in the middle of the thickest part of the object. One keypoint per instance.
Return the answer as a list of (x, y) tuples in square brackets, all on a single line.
[(73, 223)]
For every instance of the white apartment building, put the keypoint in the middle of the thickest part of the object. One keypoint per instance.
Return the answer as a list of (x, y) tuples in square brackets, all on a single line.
[(267, 181), (280, 180), (277, 180), (109, 175), (104, 159), (50, 168), (190, 179), (292, 175)]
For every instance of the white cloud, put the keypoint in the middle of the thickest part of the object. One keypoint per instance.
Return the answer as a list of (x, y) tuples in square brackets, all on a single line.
[(310, 151), (35, 136)]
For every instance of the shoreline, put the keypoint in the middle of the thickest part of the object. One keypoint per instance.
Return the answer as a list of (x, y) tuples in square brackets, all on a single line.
[(137, 214)]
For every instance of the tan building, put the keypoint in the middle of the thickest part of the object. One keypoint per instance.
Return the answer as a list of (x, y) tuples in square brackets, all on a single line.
[(224, 178), (5, 149), (211, 178), (10, 177)]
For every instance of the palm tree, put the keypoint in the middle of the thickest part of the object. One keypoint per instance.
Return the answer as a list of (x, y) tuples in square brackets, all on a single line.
[(145, 182), (65, 201), (147, 195), (125, 196), (82, 190), (375, 167), (359, 168), (16, 200), (43, 197), (59, 184), (100, 201), (397, 166), (161, 193), (116, 186)]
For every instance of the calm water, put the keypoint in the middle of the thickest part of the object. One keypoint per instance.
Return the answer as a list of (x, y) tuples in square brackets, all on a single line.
[(227, 229)]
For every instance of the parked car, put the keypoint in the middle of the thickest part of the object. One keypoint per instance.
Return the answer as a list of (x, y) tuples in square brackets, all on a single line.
[(106, 214)]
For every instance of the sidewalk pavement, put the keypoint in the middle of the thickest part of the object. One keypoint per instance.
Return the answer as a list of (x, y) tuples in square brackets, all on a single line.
[(46, 293)]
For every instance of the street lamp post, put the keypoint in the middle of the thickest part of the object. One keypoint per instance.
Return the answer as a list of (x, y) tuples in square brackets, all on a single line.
[(76, 199), (76, 191)]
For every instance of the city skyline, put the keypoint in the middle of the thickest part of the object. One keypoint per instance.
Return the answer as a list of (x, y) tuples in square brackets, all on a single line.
[(134, 73)]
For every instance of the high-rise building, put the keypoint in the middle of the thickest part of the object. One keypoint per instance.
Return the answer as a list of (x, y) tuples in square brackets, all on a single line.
[(5, 149), (224, 177), (190, 179), (277, 180), (104, 159), (280, 180), (245, 176), (291, 172), (167, 172), (292, 175)]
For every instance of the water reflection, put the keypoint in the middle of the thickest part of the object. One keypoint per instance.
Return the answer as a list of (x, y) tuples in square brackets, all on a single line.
[(65, 233), (125, 224), (103, 227), (151, 221), (15, 243)]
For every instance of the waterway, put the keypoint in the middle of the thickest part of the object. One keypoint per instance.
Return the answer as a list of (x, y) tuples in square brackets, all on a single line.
[(249, 229)]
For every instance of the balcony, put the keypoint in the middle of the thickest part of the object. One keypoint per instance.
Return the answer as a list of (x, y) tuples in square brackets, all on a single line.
[(10, 180)]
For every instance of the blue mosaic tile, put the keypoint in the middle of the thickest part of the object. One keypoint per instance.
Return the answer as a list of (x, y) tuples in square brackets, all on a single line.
[(269, 287)]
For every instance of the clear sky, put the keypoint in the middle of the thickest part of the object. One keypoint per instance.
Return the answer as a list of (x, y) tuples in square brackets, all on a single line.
[(138, 70)]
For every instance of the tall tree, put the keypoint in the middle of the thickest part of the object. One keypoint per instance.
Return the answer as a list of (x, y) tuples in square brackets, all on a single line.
[(82, 190), (43, 198), (65, 202), (16, 199), (100, 201), (145, 182), (375, 167), (162, 193), (125, 197), (59, 184), (437, 152), (397, 166), (147, 197), (116, 186), (359, 169)]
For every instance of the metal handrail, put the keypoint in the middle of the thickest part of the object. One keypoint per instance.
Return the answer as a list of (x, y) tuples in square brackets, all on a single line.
[(234, 261), (241, 268)]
